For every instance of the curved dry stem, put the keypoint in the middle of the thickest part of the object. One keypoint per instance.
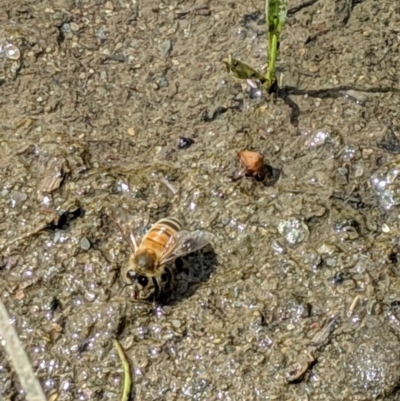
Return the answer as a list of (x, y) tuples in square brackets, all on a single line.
[(18, 358)]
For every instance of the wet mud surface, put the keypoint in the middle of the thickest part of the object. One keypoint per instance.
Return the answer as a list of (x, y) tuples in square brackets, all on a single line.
[(298, 297)]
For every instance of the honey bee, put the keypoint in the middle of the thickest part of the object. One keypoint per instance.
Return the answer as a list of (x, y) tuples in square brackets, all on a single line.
[(147, 269)]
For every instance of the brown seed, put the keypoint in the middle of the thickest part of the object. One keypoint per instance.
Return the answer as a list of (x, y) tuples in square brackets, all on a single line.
[(252, 162)]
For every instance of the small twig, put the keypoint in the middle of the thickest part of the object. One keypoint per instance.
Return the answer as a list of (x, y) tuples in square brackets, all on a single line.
[(127, 387), (200, 10), (299, 7), (169, 186), (353, 305), (115, 57), (308, 356), (38, 229)]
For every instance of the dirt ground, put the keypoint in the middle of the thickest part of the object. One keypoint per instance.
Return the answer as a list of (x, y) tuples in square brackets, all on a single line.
[(298, 296)]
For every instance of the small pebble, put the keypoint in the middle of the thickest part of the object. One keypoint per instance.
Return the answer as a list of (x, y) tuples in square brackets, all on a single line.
[(17, 198), (165, 48), (109, 5), (12, 52), (74, 27), (85, 244), (176, 323), (359, 97), (66, 27)]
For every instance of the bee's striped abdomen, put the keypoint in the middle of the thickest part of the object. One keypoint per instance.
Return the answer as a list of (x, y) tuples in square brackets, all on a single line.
[(160, 233)]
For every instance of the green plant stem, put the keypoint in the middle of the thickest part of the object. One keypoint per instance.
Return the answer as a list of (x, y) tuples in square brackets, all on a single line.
[(275, 16), (273, 50)]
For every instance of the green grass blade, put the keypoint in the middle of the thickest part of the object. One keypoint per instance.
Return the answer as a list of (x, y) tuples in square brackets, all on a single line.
[(275, 16)]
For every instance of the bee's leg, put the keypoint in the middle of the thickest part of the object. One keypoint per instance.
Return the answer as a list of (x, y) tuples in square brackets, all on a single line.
[(156, 288), (168, 280), (157, 306), (158, 302), (163, 286)]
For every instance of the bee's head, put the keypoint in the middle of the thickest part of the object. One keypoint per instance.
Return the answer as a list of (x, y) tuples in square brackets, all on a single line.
[(144, 263), (149, 288)]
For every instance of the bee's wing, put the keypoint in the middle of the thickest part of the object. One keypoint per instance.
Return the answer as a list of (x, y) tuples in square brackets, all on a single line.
[(132, 229), (184, 242)]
